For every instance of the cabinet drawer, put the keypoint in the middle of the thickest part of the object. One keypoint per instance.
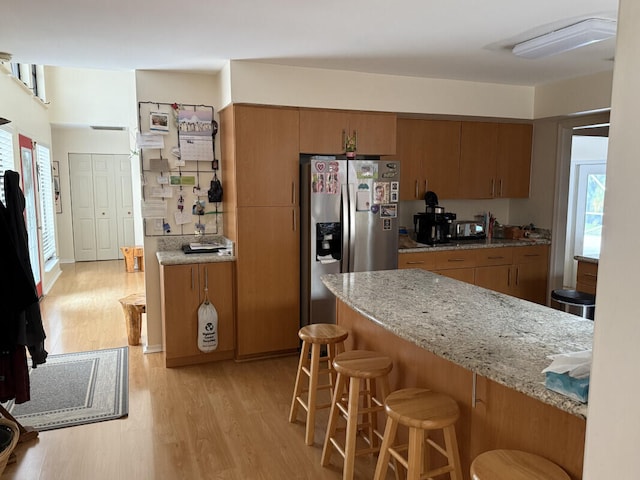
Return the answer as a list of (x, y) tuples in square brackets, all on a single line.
[(463, 274), (532, 254), (455, 259), (486, 257), (423, 260)]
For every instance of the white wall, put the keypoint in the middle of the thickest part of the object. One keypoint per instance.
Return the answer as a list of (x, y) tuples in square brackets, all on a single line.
[(29, 117), (81, 97), (169, 87), (311, 87), (613, 432)]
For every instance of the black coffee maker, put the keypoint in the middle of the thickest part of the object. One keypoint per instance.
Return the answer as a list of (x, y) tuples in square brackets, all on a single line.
[(434, 226)]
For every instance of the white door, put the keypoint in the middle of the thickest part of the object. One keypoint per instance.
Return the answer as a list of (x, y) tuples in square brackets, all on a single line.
[(102, 205), (82, 207), (124, 201), (104, 198)]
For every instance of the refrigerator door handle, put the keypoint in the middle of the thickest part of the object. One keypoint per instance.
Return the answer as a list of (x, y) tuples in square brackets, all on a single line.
[(352, 227), (344, 205)]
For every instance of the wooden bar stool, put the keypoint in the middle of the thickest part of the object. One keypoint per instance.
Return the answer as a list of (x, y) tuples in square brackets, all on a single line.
[(353, 368), (515, 465), (422, 411), (314, 337)]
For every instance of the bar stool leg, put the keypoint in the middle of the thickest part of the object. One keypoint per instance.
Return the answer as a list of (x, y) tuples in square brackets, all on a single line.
[(453, 454), (333, 420), (352, 428), (415, 453), (387, 441), (312, 395), (304, 362)]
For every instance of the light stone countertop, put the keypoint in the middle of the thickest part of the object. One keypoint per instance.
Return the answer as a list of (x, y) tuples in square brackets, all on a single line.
[(497, 336), (178, 257), (170, 250), (474, 244), (591, 259)]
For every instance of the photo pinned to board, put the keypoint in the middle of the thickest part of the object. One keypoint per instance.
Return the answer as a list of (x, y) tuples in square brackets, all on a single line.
[(386, 224), (159, 122)]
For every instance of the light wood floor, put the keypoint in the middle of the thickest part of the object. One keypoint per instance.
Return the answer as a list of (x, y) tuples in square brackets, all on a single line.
[(223, 420)]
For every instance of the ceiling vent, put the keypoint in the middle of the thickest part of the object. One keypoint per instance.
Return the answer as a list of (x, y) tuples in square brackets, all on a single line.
[(107, 127)]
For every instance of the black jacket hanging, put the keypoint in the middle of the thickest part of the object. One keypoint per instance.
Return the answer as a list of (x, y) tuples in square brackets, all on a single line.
[(30, 329)]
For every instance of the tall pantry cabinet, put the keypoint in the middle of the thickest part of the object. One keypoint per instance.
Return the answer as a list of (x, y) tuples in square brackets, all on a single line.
[(260, 164)]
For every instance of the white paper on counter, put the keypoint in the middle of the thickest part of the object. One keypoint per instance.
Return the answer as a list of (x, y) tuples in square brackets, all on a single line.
[(576, 364)]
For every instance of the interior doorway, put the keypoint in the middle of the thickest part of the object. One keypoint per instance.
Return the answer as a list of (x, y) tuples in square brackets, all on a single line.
[(568, 236), (586, 197), (101, 205)]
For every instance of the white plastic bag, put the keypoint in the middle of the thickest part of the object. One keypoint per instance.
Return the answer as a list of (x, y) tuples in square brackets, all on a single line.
[(207, 326)]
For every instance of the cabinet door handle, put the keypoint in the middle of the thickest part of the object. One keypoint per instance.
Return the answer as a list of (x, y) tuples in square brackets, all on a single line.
[(293, 217), (416, 189), (590, 275), (426, 184), (206, 279), (509, 278), (192, 279), (415, 263), (493, 187), (500, 187), (494, 258), (293, 193), (355, 137), (531, 254), (456, 260), (517, 276)]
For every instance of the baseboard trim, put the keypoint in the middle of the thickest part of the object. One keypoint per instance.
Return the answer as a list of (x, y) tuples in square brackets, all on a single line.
[(152, 349)]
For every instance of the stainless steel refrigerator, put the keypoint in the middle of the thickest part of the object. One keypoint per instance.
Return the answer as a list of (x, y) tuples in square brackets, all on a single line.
[(349, 223)]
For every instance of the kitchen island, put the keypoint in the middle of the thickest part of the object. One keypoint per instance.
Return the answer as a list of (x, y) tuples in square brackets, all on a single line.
[(485, 349)]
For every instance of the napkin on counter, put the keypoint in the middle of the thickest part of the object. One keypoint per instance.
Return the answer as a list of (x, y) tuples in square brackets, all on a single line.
[(569, 373)]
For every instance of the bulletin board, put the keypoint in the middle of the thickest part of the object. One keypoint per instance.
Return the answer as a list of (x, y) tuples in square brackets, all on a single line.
[(176, 144)]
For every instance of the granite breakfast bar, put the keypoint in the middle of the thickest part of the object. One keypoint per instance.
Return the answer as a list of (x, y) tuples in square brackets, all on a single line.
[(485, 349)]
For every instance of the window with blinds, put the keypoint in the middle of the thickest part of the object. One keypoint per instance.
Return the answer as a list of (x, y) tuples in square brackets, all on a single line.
[(6, 157), (47, 212)]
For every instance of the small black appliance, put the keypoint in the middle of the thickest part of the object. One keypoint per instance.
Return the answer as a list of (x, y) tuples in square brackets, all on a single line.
[(434, 225)]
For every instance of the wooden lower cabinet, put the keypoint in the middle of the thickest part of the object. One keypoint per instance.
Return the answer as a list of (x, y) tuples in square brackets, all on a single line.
[(587, 277), (500, 418), (268, 281), (182, 292), (517, 271)]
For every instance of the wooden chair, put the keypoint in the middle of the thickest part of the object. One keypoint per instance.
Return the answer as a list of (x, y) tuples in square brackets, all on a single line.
[(515, 465), (422, 411), (314, 337), (358, 371)]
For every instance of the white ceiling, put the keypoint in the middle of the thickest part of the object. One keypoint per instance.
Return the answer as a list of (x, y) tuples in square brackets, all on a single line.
[(452, 39)]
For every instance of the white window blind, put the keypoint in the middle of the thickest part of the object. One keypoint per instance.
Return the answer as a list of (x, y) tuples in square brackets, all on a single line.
[(47, 213), (6, 157)]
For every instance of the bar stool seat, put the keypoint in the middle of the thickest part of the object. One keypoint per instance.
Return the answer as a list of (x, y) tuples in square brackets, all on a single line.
[(422, 411), (358, 371), (575, 298), (314, 337), (515, 465)]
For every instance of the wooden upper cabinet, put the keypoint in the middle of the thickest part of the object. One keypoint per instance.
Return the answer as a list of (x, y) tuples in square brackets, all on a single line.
[(266, 155), (376, 132), (478, 147), (514, 160), (441, 161), (324, 131), (410, 154), (429, 152), (495, 160)]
